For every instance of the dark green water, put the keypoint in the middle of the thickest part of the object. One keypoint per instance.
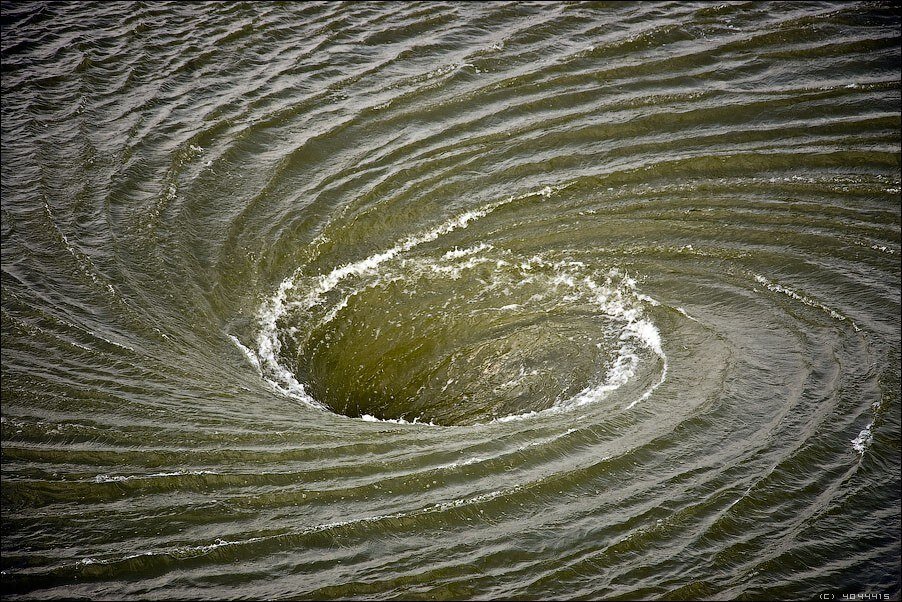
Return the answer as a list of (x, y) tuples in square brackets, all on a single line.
[(468, 301)]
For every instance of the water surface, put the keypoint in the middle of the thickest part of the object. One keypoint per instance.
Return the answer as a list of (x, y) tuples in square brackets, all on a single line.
[(469, 301)]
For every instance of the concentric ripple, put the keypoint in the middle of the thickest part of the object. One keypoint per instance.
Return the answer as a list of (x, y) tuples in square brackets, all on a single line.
[(450, 301)]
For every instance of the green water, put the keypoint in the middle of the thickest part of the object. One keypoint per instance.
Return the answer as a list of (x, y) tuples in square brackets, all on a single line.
[(450, 301)]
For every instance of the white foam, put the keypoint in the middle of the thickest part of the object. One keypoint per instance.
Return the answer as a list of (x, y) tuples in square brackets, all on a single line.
[(525, 415), (653, 302), (371, 418), (467, 462), (685, 313), (103, 478), (620, 303), (864, 439), (454, 271), (546, 440), (646, 332), (651, 389), (442, 506), (778, 288), (250, 355), (269, 346), (458, 253)]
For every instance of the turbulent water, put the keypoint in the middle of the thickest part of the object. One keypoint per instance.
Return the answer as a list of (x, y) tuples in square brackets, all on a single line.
[(490, 300)]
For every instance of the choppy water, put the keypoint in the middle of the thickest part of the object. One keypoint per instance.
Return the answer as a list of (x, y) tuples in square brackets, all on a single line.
[(492, 300)]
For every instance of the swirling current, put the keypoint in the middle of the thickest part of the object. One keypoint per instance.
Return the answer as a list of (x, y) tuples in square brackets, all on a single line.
[(450, 300)]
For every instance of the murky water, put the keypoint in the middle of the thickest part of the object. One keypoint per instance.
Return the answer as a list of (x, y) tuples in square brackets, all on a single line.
[(490, 300)]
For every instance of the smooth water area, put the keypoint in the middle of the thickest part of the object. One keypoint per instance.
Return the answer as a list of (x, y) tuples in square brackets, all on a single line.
[(450, 301)]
